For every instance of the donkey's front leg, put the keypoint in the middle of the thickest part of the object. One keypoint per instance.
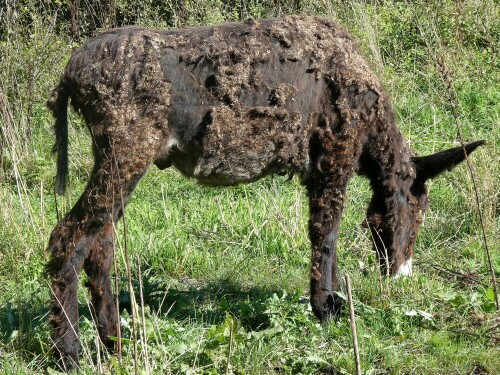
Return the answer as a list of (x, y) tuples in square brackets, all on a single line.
[(326, 201)]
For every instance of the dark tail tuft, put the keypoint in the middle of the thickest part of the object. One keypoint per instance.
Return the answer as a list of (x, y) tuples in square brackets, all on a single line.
[(58, 103)]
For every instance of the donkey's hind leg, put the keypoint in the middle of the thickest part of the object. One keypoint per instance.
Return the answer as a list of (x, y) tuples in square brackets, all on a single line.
[(84, 238), (97, 267), (68, 245)]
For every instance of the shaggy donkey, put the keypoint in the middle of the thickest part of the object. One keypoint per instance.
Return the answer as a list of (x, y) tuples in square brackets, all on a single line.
[(226, 105)]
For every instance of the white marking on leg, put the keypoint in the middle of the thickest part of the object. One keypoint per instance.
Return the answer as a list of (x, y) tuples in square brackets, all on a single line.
[(172, 142), (405, 269)]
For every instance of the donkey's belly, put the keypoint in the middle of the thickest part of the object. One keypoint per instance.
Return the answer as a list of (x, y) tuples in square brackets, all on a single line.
[(243, 147)]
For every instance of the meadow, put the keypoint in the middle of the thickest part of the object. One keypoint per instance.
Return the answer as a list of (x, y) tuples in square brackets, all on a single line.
[(220, 276)]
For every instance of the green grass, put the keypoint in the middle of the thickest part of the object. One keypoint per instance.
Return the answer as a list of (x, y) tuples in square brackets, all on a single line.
[(225, 271)]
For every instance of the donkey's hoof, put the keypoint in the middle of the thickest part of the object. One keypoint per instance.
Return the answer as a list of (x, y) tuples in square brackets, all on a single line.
[(69, 364), (329, 308)]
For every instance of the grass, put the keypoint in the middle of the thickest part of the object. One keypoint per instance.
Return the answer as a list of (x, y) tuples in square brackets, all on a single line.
[(225, 271)]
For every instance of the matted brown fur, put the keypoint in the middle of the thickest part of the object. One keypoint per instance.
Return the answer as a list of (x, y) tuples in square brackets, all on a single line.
[(225, 105)]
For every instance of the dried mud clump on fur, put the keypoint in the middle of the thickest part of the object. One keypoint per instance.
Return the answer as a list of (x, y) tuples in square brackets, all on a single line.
[(242, 146), (282, 94)]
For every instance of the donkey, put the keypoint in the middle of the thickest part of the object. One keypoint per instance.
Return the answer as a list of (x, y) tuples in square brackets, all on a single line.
[(226, 105)]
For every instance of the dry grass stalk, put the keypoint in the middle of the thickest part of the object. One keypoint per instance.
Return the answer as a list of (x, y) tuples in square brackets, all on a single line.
[(143, 322), (353, 324), (133, 304), (117, 302)]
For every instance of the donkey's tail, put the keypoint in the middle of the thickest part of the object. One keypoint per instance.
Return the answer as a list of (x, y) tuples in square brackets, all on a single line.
[(58, 104)]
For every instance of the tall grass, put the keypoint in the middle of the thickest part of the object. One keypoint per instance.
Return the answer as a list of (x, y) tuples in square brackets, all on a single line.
[(224, 272)]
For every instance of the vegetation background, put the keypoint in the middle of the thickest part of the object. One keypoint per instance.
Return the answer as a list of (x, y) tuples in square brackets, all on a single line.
[(224, 272)]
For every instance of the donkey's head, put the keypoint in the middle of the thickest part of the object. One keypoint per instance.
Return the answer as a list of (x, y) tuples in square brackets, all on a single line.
[(395, 218)]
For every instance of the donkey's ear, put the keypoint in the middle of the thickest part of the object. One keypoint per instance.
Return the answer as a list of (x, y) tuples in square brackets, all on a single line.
[(431, 165)]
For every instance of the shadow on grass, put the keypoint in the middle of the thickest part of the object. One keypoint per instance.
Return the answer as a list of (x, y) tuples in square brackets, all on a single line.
[(208, 302), (25, 328)]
